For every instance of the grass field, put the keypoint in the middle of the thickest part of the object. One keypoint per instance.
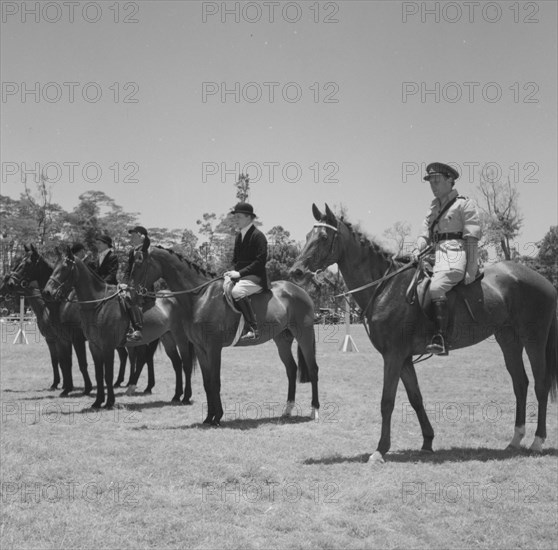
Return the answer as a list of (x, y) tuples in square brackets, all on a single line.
[(149, 474)]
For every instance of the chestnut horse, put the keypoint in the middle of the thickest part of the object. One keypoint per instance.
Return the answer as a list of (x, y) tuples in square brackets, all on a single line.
[(513, 302)]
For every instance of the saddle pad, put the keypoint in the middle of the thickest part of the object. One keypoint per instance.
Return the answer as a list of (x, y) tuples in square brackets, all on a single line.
[(227, 289)]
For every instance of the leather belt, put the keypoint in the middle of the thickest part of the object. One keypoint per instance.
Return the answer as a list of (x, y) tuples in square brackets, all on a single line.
[(437, 237)]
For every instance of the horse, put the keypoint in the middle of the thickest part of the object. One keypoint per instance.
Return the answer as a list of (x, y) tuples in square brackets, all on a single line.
[(105, 323), (58, 323), (511, 301), (284, 313)]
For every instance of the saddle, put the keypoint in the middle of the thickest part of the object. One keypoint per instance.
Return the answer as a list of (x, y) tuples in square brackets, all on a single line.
[(419, 292)]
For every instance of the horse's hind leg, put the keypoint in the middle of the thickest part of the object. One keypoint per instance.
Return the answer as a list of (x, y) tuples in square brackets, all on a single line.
[(536, 351), (81, 354), (170, 349), (284, 342), (307, 365), (512, 348), (123, 356), (410, 381)]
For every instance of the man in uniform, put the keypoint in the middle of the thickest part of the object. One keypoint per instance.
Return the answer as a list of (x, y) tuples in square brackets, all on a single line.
[(249, 259), (138, 236), (107, 266), (452, 227)]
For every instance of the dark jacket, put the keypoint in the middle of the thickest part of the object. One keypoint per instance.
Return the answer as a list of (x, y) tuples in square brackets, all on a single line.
[(250, 256), (109, 268)]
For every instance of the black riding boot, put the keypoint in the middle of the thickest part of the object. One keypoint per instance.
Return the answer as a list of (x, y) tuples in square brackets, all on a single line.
[(245, 307), (438, 344), (136, 322)]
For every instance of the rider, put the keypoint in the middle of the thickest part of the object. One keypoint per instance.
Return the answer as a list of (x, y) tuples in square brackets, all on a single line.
[(107, 261), (452, 227), (249, 259), (138, 239)]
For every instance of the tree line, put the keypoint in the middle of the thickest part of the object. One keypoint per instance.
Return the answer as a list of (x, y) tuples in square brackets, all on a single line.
[(36, 218)]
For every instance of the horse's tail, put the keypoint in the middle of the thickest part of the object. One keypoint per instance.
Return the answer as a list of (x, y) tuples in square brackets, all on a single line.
[(552, 357)]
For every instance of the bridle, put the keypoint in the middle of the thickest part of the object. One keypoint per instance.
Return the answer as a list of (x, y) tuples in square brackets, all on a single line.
[(58, 285), (333, 243)]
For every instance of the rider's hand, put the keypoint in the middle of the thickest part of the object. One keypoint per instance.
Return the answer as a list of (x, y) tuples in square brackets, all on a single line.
[(122, 286), (469, 278), (232, 274)]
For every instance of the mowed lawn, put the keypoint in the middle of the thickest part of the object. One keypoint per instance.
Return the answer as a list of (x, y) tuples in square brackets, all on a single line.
[(150, 475)]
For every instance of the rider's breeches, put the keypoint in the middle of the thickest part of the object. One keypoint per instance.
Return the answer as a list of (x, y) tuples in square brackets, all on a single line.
[(244, 288), (449, 268)]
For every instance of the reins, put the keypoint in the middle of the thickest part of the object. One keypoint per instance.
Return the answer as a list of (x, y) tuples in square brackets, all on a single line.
[(142, 291)]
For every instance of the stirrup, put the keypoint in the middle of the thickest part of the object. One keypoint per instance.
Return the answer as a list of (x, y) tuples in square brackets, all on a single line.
[(437, 346), (135, 336), (252, 334)]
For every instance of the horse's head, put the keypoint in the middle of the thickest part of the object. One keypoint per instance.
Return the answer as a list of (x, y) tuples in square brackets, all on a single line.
[(63, 277), (322, 246), (142, 272), (26, 270)]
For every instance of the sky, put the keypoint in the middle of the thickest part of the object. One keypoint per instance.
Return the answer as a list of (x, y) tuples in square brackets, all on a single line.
[(160, 104)]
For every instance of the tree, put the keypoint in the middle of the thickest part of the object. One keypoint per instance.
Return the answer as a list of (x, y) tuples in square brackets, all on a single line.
[(500, 217), (282, 253), (243, 187), (546, 262), (398, 233)]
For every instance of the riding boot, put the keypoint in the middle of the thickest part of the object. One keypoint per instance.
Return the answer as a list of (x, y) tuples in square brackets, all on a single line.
[(438, 344), (245, 307), (136, 322)]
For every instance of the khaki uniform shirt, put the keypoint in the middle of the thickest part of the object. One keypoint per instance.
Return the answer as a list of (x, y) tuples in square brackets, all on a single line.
[(461, 216)]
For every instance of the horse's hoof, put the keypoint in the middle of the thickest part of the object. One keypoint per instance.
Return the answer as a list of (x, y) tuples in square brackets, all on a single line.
[(175, 399), (131, 390), (147, 391), (65, 393), (216, 423), (97, 405), (376, 458), (187, 402), (427, 450), (511, 447), (109, 406), (116, 385), (54, 386)]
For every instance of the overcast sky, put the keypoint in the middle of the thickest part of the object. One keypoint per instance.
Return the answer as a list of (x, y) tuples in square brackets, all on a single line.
[(340, 102)]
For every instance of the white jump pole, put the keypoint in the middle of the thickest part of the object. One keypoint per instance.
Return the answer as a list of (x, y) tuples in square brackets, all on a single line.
[(20, 336), (348, 342)]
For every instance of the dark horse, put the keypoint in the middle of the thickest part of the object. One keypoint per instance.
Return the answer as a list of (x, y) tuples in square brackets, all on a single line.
[(284, 313), (105, 322), (512, 302), (58, 323)]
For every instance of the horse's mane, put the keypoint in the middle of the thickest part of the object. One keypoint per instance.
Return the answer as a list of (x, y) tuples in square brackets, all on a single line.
[(367, 242), (191, 265)]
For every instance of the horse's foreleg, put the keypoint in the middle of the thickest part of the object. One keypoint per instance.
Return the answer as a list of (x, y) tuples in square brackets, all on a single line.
[(392, 373), (55, 364), (64, 350), (187, 358), (512, 348), (97, 355), (210, 362), (108, 360), (170, 349), (123, 356), (81, 354), (410, 381), (149, 355)]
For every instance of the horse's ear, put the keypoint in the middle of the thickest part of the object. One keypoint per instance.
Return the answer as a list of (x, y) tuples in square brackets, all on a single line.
[(330, 216), (316, 211), (33, 249), (69, 253), (26, 248)]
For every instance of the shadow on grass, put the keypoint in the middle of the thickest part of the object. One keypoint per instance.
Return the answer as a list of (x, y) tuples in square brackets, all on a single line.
[(454, 454), (238, 424)]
